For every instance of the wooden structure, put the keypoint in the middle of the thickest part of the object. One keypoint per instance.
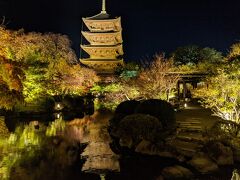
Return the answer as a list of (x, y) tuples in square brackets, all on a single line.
[(104, 36), (186, 80)]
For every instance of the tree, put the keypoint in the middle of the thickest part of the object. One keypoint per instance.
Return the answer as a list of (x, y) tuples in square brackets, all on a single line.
[(128, 70), (66, 78), (187, 55), (48, 63), (234, 54), (222, 95), (210, 55), (11, 76), (157, 80), (190, 59)]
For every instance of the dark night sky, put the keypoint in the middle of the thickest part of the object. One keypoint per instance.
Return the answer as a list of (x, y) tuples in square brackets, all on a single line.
[(149, 26)]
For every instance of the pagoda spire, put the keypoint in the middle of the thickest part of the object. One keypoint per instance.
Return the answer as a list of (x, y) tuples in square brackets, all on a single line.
[(104, 7)]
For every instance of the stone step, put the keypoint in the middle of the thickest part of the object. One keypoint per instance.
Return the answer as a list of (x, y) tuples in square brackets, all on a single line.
[(198, 123), (186, 148), (186, 153), (190, 137), (188, 120), (189, 124), (184, 144), (190, 127), (190, 130)]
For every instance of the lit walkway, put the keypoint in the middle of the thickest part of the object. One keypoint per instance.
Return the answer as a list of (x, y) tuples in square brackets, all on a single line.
[(192, 122), (194, 112)]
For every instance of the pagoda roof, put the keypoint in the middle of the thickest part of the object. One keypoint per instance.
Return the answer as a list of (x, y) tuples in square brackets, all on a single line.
[(101, 33), (101, 60), (100, 16)]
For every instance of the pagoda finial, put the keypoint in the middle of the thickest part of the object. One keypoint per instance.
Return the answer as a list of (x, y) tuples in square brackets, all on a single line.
[(104, 7)]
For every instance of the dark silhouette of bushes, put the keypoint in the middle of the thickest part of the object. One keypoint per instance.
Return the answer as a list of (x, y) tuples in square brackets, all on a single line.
[(151, 120), (127, 107), (123, 109), (137, 127), (159, 109)]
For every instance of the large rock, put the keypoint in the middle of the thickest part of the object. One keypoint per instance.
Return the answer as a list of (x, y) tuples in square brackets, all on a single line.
[(235, 144), (147, 147), (203, 164), (177, 172), (221, 154), (236, 154)]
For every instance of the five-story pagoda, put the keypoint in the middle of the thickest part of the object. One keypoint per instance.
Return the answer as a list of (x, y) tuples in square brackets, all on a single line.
[(105, 38)]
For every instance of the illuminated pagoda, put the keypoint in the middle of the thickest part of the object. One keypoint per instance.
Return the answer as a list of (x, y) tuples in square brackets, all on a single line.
[(105, 42)]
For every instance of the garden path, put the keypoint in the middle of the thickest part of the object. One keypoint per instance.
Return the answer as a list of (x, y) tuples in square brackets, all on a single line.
[(193, 122)]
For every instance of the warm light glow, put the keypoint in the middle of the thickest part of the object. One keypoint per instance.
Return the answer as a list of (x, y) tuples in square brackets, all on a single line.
[(102, 176), (185, 105), (58, 115)]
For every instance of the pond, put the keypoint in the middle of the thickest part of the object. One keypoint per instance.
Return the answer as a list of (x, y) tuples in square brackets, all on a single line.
[(77, 148)]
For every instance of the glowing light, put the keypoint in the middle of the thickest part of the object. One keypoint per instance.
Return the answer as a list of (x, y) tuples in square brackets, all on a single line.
[(102, 176), (58, 105), (58, 116), (227, 116), (185, 105)]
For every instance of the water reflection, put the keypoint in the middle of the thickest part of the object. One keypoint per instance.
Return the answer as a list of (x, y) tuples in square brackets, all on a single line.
[(93, 130), (81, 144)]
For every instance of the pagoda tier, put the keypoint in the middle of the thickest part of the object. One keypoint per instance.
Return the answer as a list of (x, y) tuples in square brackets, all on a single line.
[(104, 35), (103, 52), (101, 65), (111, 38), (103, 25)]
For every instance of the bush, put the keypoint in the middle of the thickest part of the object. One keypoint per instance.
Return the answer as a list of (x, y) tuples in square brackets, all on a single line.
[(223, 129), (136, 127), (75, 103), (123, 109), (115, 120), (127, 107), (159, 109)]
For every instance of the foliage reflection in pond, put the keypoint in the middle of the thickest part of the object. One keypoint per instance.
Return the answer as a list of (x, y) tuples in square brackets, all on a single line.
[(25, 145)]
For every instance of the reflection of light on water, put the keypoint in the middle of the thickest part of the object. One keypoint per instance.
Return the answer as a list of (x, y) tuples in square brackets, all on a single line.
[(99, 156)]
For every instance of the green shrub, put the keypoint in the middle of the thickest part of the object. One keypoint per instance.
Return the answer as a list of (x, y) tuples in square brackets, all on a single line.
[(127, 107), (136, 127), (159, 109)]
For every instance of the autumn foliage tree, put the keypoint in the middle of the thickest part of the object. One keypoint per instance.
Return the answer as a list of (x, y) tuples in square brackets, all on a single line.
[(234, 53), (48, 63), (11, 76), (222, 95), (157, 80)]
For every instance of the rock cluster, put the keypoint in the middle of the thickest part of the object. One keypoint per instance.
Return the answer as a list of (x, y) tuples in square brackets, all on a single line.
[(187, 145)]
